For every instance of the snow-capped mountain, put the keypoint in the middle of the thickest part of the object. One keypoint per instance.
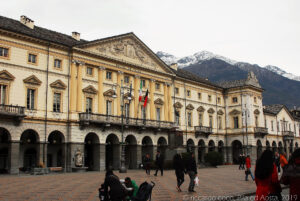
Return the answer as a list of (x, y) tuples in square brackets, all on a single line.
[(201, 56)]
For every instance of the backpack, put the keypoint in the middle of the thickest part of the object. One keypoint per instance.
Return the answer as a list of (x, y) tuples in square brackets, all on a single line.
[(144, 192)]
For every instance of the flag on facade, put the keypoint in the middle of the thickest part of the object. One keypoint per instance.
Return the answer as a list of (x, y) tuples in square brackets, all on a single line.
[(146, 99), (141, 92), (130, 90)]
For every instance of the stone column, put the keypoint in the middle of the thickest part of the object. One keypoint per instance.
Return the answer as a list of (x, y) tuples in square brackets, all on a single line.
[(166, 115), (14, 157), (229, 155), (119, 80), (154, 152), (79, 88), (138, 155), (64, 156), (152, 107), (101, 104), (136, 95), (116, 156), (196, 153), (73, 88), (42, 153), (102, 157)]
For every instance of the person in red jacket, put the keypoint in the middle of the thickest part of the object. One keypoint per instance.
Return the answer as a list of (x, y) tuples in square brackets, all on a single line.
[(266, 178), (283, 161), (248, 168), (291, 176)]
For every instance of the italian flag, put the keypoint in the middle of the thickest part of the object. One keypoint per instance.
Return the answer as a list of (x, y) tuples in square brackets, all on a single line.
[(146, 98), (141, 92)]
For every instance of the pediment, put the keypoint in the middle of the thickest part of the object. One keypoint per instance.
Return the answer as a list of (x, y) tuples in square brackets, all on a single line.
[(127, 48), (220, 112), (234, 112), (58, 84), (109, 93), (189, 107), (90, 90), (32, 80), (127, 95), (159, 101), (211, 111), (177, 105), (5, 75), (200, 109), (257, 112)]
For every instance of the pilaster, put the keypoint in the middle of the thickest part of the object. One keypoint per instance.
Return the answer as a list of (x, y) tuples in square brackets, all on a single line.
[(73, 88), (119, 78), (79, 88), (166, 115), (136, 95), (152, 107), (101, 104), (14, 152), (102, 156)]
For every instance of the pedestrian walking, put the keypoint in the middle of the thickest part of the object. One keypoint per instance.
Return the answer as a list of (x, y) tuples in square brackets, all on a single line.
[(266, 178), (116, 191), (277, 162), (248, 168), (159, 162), (240, 161), (291, 176), (283, 161), (243, 161), (178, 165), (191, 169), (147, 164)]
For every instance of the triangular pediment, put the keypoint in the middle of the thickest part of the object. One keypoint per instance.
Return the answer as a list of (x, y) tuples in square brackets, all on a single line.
[(127, 48), (200, 109), (235, 112), (58, 84), (128, 95), (90, 90), (5, 75), (109, 93), (220, 112), (211, 111), (177, 105), (32, 80), (159, 101), (189, 107)]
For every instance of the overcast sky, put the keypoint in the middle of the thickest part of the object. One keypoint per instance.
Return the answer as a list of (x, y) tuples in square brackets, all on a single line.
[(265, 32)]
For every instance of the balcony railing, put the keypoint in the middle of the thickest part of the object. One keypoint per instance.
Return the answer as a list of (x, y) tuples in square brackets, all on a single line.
[(260, 131), (14, 111), (87, 118), (203, 130), (288, 135)]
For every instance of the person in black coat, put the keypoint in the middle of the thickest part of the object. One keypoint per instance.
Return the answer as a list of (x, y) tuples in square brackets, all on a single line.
[(116, 191), (147, 163), (178, 165), (191, 169), (159, 162)]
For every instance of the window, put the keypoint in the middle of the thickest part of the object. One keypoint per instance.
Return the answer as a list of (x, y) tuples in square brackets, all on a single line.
[(32, 58), (189, 119), (89, 105), (56, 102), (89, 71), (188, 93), (235, 122), (3, 94), (30, 99), (278, 129), (200, 119), (199, 96), (177, 117), (57, 63), (108, 75), (143, 83), (209, 98), (234, 100), (272, 126), (126, 110), (157, 86), (210, 121), (256, 121), (108, 107), (176, 90), (290, 127), (3, 52), (220, 122), (126, 79), (255, 100), (158, 114), (219, 100)]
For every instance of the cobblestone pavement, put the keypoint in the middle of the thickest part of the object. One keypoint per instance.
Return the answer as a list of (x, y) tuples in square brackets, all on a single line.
[(221, 181)]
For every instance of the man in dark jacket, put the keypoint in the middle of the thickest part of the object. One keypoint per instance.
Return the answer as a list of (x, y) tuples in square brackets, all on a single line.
[(159, 162), (191, 169), (117, 191)]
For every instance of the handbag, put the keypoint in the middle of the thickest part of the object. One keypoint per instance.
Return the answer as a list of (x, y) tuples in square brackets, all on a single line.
[(247, 172)]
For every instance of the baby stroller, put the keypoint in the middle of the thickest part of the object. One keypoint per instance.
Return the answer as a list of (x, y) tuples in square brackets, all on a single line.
[(144, 192)]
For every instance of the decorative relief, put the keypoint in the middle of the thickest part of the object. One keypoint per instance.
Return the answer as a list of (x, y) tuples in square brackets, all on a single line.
[(90, 90), (58, 84), (177, 105), (159, 101), (220, 112), (32, 80), (256, 112), (189, 107), (109, 93), (5, 75), (211, 111), (200, 109), (235, 112)]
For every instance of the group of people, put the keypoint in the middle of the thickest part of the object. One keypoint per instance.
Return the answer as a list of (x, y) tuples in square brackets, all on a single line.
[(159, 163)]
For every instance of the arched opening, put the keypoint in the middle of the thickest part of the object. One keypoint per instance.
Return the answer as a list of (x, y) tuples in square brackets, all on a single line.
[(201, 151), (55, 153), (131, 152), (280, 147), (191, 146), (274, 146), (268, 146), (4, 150), (30, 149), (237, 149), (112, 152), (92, 152), (162, 145), (259, 148), (211, 146), (147, 147)]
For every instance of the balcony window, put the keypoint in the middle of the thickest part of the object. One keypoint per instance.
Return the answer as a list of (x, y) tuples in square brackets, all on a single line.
[(108, 75), (30, 99), (3, 94), (3, 52), (57, 63), (89, 105), (108, 107), (210, 121), (189, 115), (56, 102), (32, 58), (158, 114), (200, 119), (235, 122)]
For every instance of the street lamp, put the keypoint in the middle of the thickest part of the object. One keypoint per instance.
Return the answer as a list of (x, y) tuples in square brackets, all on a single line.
[(246, 114)]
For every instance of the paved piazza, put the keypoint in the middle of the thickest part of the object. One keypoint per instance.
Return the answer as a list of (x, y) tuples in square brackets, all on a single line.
[(225, 180)]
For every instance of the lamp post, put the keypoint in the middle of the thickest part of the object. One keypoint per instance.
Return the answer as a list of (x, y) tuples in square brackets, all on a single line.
[(246, 113)]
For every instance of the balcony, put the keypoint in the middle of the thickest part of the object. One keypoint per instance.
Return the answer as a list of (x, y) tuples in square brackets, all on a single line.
[(108, 120), (11, 111), (260, 132), (288, 135), (203, 130)]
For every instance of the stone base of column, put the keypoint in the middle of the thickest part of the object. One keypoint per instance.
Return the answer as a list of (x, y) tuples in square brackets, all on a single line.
[(14, 158), (102, 157)]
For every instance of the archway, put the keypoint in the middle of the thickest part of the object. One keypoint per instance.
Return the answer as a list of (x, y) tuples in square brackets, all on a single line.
[(280, 147), (30, 149), (191, 146), (162, 145), (201, 151), (259, 148), (112, 152), (56, 150), (4, 150), (211, 146), (237, 149), (147, 147), (131, 152), (92, 152), (274, 146), (268, 146)]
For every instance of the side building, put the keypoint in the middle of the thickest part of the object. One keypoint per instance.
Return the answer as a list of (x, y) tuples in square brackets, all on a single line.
[(62, 96)]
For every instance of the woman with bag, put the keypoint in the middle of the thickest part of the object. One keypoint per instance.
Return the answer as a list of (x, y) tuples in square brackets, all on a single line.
[(266, 178)]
